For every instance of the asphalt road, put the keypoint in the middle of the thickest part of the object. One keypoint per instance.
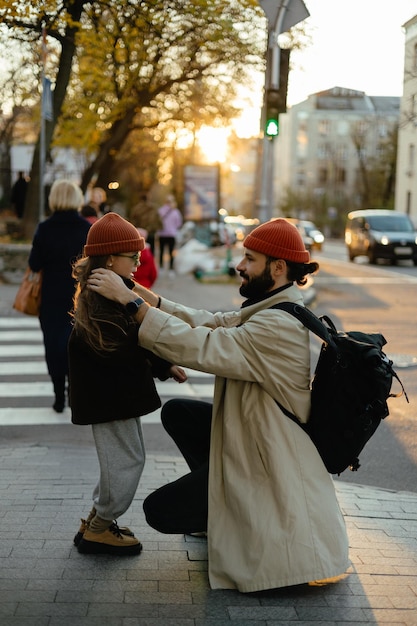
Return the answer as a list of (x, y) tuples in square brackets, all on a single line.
[(358, 297), (379, 298)]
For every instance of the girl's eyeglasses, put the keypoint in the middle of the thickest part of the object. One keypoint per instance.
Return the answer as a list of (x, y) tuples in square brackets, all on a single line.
[(135, 257)]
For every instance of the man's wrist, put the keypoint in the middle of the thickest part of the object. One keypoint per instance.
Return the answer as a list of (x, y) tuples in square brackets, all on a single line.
[(149, 296), (128, 296)]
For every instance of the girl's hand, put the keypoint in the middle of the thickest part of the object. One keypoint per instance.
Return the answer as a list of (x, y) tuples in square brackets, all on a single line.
[(178, 374)]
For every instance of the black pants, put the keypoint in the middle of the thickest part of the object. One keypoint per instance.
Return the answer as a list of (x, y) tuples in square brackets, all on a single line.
[(166, 242), (182, 506)]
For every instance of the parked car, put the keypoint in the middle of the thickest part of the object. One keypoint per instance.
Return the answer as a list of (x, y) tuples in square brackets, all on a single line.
[(312, 236), (380, 234)]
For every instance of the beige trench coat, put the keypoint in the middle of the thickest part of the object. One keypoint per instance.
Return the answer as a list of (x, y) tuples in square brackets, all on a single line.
[(274, 519)]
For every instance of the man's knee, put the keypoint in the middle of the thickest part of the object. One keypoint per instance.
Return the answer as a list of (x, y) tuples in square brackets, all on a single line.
[(170, 412), (155, 509), (149, 511)]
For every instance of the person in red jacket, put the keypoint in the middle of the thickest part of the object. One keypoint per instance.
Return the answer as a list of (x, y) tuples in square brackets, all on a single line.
[(146, 272)]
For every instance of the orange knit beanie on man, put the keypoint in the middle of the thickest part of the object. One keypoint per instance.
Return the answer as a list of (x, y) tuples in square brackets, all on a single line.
[(278, 239)]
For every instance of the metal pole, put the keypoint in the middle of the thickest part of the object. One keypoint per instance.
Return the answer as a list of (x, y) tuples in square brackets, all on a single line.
[(266, 204), (42, 134), (279, 20), (275, 56), (42, 159)]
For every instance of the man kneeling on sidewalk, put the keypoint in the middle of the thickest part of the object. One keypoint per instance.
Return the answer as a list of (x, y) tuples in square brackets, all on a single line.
[(256, 484)]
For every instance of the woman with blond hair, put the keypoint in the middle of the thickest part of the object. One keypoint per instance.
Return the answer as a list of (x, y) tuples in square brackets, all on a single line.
[(57, 243)]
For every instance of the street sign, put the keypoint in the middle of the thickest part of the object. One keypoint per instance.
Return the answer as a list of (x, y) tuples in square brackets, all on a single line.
[(295, 12)]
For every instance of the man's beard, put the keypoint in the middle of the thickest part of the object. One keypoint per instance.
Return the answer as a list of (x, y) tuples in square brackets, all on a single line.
[(257, 286)]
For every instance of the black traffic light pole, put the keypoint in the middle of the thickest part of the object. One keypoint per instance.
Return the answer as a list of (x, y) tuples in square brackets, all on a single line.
[(282, 15)]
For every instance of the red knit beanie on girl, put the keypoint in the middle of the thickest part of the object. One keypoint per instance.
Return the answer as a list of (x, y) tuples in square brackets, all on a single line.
[(112, 234)]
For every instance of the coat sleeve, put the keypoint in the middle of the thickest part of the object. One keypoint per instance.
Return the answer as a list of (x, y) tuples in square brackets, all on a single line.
[(199, 317), (35, 261), (252, 352), (160, 367)]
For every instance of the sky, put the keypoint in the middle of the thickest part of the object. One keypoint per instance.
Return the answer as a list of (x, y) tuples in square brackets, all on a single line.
[(358, 44)]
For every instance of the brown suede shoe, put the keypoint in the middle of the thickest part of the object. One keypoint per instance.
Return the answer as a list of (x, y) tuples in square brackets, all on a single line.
[(84, 525), (110, 541)]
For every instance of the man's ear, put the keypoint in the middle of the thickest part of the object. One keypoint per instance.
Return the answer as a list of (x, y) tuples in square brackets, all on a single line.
[(278, 268)]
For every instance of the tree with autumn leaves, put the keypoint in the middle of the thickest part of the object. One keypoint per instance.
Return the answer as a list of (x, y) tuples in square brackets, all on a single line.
[(134, 68)]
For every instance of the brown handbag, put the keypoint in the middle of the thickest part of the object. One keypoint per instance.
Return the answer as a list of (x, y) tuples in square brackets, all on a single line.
[(28, 297)]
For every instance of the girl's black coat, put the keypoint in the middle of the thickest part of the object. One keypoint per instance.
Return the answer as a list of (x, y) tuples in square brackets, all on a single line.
[(115, 385)]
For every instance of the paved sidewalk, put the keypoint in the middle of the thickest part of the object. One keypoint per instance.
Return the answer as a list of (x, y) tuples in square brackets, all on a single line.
[(46, 485), (44, 581)]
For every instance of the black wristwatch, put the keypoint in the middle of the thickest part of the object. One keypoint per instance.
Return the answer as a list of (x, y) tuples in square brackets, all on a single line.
[(133, 307)]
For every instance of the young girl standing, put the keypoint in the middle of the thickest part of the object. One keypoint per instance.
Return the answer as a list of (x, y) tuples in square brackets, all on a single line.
[(112, 384)]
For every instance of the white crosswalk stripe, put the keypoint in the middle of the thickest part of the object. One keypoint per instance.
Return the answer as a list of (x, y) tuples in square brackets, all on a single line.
[(24, 379)]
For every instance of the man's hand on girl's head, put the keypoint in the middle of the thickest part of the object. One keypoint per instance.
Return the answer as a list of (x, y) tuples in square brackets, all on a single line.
[(110, 285)]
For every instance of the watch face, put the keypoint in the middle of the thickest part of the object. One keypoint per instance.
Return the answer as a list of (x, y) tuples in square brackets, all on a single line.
[(132, 307)]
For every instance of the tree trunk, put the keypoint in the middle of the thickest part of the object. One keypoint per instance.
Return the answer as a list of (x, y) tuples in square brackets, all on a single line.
[(102, 164), (32, 212)]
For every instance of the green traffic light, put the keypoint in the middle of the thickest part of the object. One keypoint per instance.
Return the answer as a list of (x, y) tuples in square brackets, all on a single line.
[(272, 128)]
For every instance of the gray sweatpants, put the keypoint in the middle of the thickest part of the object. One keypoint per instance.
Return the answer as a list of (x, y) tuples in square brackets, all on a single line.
[(121, 456)]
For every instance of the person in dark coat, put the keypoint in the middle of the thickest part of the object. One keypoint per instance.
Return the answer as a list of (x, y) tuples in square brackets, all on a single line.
[(57, 243), (18, 197)]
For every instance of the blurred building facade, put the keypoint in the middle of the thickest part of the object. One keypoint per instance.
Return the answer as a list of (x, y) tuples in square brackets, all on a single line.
[(327, 140), (323, 144), (406, 179)]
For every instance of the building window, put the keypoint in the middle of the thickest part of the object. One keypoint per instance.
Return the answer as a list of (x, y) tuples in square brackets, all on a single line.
[(342, 152), (361, 127), (301, 178), (411, 157), (302, 141), (413, 101), (324, 151), (382, 129), (340, 175), (324, 127), (362, 154), (322, 176)]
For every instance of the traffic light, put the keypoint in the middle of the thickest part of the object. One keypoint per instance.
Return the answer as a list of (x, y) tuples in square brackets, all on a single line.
[(276, 99), (272, 113)]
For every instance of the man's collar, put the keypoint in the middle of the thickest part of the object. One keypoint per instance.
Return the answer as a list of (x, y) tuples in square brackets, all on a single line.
[(268, 294)]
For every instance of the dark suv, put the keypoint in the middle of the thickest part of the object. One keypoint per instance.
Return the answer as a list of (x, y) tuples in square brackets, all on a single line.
[(381, 234)]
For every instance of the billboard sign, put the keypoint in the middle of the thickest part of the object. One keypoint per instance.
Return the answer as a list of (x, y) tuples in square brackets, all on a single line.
[(201, 192)]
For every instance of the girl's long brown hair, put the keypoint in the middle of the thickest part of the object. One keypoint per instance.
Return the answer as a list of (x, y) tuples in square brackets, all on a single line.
[(88, 311)]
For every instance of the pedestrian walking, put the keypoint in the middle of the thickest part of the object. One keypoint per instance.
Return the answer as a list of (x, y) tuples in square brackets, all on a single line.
[(18, 197), (57, 243), (171, 223)]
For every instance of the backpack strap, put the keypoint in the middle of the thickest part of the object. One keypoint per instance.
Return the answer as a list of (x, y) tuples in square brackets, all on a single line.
[(312, 323), (292, 417), (308, 319), (315, 325)]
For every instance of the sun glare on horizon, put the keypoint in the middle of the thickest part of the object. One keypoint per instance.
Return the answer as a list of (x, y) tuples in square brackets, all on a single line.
[(213, 143)]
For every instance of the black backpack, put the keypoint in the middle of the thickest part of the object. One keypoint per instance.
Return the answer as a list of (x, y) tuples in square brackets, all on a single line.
[(349, 390)]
